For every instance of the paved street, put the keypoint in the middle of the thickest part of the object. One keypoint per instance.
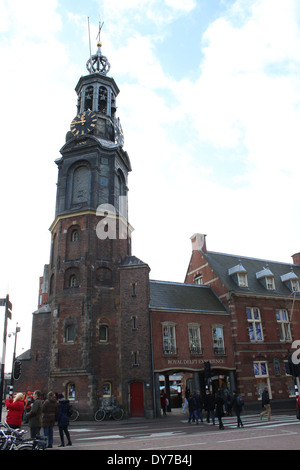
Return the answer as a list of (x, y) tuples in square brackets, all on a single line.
[(173, 434)]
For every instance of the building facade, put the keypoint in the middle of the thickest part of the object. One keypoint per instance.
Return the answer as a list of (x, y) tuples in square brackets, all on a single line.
[(103, 328), (262, 298)]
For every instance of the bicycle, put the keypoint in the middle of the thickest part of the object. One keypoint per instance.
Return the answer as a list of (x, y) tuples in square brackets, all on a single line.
[(110, 409), (12, 439), (75, 414)]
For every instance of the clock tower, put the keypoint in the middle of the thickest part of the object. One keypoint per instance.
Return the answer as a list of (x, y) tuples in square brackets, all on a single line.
[(92, 329)]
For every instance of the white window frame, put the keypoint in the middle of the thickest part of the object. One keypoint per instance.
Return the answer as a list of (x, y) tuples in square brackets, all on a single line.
[(169, 338), (270, 283), (255, 321), (284, 325), (242, 279), (218, 339), (194, 338)]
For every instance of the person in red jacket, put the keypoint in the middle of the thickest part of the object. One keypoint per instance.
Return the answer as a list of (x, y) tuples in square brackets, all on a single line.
[(15, 410)]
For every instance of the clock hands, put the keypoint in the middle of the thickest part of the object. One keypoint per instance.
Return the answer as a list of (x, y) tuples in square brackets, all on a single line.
[(82, 121)]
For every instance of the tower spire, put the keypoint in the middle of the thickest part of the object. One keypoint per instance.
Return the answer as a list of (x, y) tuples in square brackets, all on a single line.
[(98, 63)]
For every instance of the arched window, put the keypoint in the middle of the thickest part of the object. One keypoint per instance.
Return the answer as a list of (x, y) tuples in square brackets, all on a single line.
[(70, 334), (102, 101), (73, 281), (71, 395), (103, 334), (106, 389), (74, 236), (88, 99), (80, 185)]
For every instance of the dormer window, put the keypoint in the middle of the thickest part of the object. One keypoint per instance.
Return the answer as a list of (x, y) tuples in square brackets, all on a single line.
[(198, 279), (291, 281), (270, 283), (242, 279), (239, 275), (295, 285), (266, 278)]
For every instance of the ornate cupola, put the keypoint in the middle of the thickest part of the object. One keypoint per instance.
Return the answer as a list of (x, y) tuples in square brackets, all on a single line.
[(94, 167), (96, 105)]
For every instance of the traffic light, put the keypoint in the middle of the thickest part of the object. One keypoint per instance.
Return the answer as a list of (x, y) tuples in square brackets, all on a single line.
[(17, 370), (207, 370), (292, 368), (10, 390)]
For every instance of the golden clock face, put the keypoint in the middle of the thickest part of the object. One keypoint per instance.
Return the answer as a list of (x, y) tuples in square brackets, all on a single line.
[(83, 123)]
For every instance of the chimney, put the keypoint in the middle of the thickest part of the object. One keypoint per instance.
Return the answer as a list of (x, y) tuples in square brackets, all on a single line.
[(198, 242), (296, 258)]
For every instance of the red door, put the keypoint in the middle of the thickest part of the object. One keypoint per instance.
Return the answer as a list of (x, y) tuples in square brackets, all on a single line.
[(137, 399)]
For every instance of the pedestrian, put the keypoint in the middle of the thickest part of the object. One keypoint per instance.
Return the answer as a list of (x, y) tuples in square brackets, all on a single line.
[(64, 411), (15, 410), (186, 397), (199, 405), (34, 416), (192, 409), (265, 403), (298, 407), (209, 406), (220, 409), (237, 405), (163, 402), (227, 403), (49, 409)]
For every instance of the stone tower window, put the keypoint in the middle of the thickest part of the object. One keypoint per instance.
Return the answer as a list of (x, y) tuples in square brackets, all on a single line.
[(80, 185)]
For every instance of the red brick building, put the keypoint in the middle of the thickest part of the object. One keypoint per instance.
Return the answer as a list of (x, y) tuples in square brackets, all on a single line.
[(262, 298), (103, 329)]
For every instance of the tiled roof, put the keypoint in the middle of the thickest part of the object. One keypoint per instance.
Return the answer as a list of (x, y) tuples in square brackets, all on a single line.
[(222, 263), (184, 297)]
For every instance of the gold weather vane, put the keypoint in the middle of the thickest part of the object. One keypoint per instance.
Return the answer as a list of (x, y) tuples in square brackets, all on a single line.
[(98, 62)]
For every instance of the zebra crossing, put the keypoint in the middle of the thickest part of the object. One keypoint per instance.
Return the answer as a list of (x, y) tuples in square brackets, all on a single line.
[(254, 420)]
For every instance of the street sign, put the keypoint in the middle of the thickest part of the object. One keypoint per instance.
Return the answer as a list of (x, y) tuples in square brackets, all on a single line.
[(2, 302)]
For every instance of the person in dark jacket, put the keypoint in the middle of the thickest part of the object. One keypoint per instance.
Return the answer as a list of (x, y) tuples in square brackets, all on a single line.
[(199, 405), (237, 405), (192, 409), (209, 406), (220, 409), (15, 410), (265, 403), (49, 409), (63, 420), (34, 416)]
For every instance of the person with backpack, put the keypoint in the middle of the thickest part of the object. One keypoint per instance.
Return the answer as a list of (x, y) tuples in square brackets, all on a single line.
[(64, 411), (237, 405)]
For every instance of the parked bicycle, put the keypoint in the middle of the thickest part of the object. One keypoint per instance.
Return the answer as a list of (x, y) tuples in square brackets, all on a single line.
[(75, 414), (110, 409), (12, 439)]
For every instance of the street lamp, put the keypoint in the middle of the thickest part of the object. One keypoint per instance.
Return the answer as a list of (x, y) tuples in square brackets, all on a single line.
[(16, 365)]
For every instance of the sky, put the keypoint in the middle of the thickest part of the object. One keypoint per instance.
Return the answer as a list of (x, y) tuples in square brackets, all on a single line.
[(210, 108)]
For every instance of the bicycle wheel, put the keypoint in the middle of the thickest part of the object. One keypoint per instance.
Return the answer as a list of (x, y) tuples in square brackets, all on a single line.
[(74, 415), (99, 415), (117, 413), (25, 447)]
